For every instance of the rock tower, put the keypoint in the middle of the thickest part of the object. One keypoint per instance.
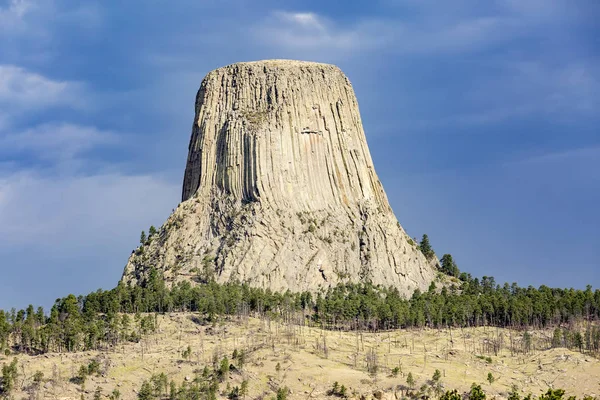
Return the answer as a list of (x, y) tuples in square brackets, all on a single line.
[(280, 190)]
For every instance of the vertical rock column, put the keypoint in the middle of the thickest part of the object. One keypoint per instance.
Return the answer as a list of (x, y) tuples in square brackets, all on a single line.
[(280, 189)]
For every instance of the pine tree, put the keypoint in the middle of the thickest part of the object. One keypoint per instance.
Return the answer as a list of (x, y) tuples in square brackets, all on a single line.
[(451, 395), (425, 247), (115, 395), (410, 381), (514, 393), (556, 394), (449, 267), (282, 393), (9, 377), (557, 338), (244, 389), (476, 393), (146, 392), (224, 368)]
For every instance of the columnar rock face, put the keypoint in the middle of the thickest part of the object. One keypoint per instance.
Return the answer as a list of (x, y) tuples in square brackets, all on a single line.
[(280, 189)]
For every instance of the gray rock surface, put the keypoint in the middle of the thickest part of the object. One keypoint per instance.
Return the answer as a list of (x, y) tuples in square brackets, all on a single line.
[(280, 190)]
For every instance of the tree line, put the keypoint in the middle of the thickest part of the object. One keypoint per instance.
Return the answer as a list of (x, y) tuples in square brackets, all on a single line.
[(106, 318)]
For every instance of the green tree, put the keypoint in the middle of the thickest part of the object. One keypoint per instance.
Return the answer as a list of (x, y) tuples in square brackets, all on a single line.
[(556, 394), (115, 395), (146, 392), (160, 384), (526, 342), (187, 353), (578, 340), (476, 393), (38, 378), (9, 377), (244, 389), (241, 359), (172, 391), (436, 382), (151, 232), (343, 391), (93, 367), (557, 338), (143, 238), (451, 395), (410, 381), (4, 329), (490, 378), (449, 267), (425, 247), (82, 375), (72, 322), (224, 369), (282, 393), (514, 393)]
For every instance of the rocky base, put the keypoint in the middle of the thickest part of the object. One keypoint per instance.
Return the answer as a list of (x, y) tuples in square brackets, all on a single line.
[(280, 249)]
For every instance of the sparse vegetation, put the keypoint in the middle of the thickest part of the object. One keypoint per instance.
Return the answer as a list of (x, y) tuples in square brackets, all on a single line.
[(9, 377), (338, 390), (187, 353), (278, 342), (282, 393), (410, 380)]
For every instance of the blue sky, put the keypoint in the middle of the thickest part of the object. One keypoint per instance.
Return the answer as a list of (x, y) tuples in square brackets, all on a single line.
[(482, 119)]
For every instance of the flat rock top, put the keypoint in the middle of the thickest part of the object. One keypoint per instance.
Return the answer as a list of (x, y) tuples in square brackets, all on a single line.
[(280, 63)]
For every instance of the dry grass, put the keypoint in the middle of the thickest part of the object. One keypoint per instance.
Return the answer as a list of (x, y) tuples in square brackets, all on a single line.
[(312, 360)]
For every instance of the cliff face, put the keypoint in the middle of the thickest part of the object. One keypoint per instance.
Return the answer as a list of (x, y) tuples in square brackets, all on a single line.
[(280, 190)]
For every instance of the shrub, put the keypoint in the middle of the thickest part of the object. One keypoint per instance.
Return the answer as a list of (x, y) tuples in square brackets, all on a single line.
[(476, 393)]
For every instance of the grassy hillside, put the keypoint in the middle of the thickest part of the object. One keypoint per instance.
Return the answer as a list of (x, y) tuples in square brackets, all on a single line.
[(308, 361)]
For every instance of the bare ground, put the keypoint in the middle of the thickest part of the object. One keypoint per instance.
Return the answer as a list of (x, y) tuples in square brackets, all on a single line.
[(311, 360)]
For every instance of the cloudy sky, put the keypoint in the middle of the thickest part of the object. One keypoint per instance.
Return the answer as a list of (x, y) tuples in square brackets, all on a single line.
[(482, 118)]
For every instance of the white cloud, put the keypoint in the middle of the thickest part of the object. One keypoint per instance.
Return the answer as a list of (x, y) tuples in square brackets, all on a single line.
[(22, 89), (73, 234), (307, 31), (11, 16), (23, 94), (306, 20), (39, 18), (80, 211), (422, 27), (56, 142)]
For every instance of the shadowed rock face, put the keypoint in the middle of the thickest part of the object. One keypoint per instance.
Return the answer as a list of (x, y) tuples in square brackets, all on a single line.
[(280, 190)]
